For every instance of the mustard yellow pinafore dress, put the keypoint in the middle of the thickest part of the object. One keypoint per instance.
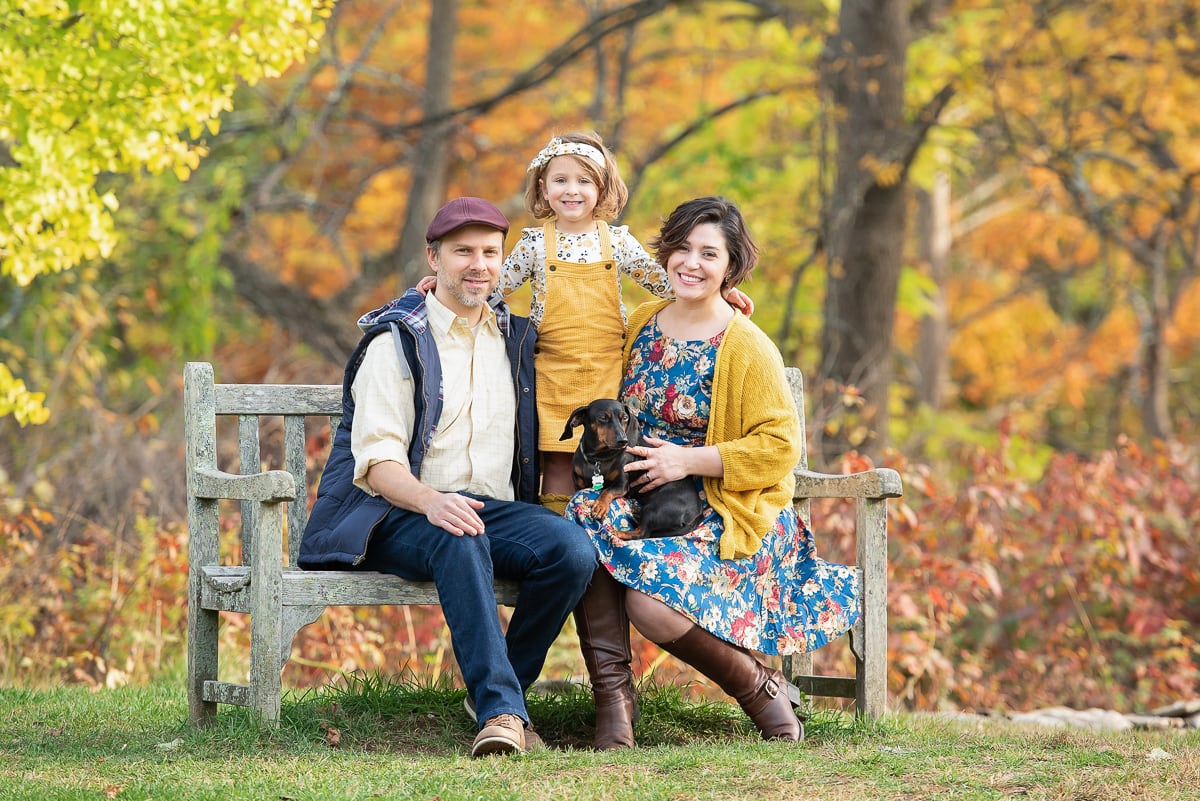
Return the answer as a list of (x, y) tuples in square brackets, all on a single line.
[(580, 339)]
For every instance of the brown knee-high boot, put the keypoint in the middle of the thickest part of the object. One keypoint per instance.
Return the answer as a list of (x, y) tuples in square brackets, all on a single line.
[(762, 693), (603, 628)]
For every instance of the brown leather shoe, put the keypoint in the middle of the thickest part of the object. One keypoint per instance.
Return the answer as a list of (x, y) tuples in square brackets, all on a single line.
[(603, 628), (503, 734), (533, 741), (768, 704), (765, 695)]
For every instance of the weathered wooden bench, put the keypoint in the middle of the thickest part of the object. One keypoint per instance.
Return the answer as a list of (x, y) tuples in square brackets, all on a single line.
[(281, 599)]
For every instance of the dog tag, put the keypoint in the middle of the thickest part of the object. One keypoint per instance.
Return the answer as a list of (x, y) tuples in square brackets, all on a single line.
[(597, 481)]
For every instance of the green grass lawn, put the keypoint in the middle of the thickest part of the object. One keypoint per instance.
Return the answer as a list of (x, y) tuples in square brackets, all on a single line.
[(379, 740)]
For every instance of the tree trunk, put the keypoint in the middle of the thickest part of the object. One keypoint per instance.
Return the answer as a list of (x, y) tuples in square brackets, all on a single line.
[(935, 326), (865, 229), (1156, 417), (429, 161)]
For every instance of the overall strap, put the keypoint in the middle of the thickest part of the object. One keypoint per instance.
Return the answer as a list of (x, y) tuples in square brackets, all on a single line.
[(603, 231)]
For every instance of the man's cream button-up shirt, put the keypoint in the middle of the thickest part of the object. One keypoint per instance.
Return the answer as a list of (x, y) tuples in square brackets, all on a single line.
[(473, 446)]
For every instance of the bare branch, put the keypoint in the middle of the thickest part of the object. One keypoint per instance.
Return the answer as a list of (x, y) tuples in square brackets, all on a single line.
[(575, 45)]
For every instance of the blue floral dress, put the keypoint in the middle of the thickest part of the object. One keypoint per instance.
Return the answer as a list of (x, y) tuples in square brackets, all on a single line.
[(784, 599)]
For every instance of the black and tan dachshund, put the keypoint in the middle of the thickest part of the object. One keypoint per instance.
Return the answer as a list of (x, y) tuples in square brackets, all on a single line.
[(609, 429)]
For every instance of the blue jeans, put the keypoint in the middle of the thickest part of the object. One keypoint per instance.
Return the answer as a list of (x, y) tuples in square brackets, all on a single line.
[(551, 557)]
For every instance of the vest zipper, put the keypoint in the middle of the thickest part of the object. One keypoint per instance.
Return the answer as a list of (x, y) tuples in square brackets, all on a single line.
[(358, 560)]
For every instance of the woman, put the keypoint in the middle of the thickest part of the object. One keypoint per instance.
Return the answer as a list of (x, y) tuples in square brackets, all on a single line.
[(709, 390)]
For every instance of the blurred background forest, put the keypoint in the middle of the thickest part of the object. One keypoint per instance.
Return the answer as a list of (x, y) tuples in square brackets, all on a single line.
[(980, 233)]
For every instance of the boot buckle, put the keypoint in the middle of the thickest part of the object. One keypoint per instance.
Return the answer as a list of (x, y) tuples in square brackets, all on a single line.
[(771, 688)]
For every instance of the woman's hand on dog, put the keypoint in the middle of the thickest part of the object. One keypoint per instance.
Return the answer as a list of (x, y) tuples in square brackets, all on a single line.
[(665, 462)]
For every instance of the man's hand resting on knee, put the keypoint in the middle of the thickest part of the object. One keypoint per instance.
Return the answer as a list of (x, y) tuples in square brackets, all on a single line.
[(446, 510)]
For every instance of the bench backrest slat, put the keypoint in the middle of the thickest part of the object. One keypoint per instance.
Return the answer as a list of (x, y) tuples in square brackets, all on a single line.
[(250, 462), (795, 380), (295, 461), (249, 403), (279, 399)]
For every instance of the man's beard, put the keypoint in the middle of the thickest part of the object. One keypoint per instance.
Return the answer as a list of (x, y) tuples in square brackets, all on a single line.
[(460, 293)]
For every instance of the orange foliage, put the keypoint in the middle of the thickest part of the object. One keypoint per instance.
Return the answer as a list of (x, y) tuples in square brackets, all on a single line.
[(301, 254), (378, 214), (1084, 579), (1184, 331), (1013, 351), (1110, 345)]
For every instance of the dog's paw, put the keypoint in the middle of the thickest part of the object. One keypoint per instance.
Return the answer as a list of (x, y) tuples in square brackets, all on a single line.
[(636, 534), (602, 502)]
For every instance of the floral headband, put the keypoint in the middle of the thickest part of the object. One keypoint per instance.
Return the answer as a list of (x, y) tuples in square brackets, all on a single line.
[(557, 147)]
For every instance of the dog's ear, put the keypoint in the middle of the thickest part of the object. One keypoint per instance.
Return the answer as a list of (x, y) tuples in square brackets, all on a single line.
[(573, 422)]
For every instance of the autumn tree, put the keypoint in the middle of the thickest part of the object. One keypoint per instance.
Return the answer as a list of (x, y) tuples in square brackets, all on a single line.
[(864, 231), (1072, 271), (90, 89), (1110, 143), (399, 110)]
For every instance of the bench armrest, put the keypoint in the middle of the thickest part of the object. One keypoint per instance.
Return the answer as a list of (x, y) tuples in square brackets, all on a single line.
[(881, 482), (272, 486)]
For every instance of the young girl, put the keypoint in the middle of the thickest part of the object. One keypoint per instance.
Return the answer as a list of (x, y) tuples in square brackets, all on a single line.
[(574, 262)]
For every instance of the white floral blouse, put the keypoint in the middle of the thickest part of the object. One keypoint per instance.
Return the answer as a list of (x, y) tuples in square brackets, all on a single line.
[(527, 262)]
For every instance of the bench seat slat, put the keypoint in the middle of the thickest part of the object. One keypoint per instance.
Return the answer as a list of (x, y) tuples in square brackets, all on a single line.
[(227, 589)]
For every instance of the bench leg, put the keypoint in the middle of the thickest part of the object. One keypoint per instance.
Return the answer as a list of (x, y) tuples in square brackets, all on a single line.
[(201, 654), (797, 665), (871, 659), (266, 615)]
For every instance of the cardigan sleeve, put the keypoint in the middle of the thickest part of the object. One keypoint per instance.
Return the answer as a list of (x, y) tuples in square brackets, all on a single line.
[(755, 428), (758, 431)]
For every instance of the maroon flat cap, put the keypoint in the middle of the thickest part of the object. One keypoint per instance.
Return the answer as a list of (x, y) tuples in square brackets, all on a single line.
[(465, 211)]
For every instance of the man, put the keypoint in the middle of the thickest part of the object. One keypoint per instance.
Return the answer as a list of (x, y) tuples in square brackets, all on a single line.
[(432, 475)]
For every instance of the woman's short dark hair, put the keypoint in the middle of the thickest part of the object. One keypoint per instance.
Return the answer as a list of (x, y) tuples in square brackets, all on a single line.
[(743, 253)]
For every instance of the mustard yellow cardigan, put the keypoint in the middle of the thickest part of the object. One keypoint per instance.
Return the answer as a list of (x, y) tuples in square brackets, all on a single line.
[(753, 424)]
